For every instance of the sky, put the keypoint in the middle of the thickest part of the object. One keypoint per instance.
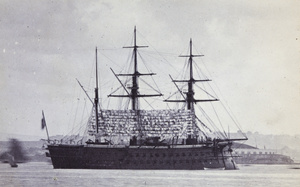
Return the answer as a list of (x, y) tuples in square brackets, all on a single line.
[(251, 51)]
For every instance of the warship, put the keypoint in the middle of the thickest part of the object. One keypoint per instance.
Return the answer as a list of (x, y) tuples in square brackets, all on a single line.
[(162, 139)]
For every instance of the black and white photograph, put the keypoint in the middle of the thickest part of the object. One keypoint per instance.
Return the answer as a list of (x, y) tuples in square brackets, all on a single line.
[(149, 93)]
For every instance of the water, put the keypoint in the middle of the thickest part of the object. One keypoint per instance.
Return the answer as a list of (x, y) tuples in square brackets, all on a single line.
[(42, 174)]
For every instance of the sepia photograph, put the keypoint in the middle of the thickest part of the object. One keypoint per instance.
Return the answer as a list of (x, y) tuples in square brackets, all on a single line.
[(149, 93)]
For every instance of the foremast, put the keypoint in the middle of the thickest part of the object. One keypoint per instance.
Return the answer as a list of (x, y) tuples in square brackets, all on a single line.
[(190, 99)]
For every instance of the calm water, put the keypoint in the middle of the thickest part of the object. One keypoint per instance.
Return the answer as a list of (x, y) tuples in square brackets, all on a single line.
[(42, 174)]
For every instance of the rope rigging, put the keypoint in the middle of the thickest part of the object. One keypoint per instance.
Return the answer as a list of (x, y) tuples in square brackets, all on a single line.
[(200, 74)]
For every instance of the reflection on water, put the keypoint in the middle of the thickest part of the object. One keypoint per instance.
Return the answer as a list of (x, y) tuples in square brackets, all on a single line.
[(42, 174)]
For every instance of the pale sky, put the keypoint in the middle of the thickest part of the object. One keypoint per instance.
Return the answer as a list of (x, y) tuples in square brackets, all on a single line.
[(251, 50)]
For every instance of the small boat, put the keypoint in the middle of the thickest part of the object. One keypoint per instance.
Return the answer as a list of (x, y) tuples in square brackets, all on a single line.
[(11, 160), (217, 168)]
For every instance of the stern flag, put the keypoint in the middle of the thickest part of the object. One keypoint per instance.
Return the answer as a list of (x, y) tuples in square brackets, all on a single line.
[(43, 121)]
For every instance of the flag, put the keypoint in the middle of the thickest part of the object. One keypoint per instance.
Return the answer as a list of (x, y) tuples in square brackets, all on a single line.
[(43, 125), (43, 122)]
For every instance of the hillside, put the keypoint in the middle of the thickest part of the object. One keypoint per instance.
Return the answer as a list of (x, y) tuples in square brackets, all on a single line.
[(282, 144)]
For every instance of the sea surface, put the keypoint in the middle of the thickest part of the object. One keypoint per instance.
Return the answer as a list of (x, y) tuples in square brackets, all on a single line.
[(36, 174)]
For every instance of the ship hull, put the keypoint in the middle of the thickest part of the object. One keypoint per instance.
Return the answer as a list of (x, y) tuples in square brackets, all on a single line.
[(146, 157)]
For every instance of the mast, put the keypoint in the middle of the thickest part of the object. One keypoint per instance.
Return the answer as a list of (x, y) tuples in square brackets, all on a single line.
[(190, 94), (190, 100), (96, 100), (134, 93), (134, 89)]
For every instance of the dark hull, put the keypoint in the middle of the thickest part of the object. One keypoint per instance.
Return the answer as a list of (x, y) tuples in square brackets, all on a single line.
[(134, 157)]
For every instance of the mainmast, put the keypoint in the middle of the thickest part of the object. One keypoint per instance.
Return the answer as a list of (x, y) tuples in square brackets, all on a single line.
[(190, 94), (96, 96), (134, 94), (135, 87)]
